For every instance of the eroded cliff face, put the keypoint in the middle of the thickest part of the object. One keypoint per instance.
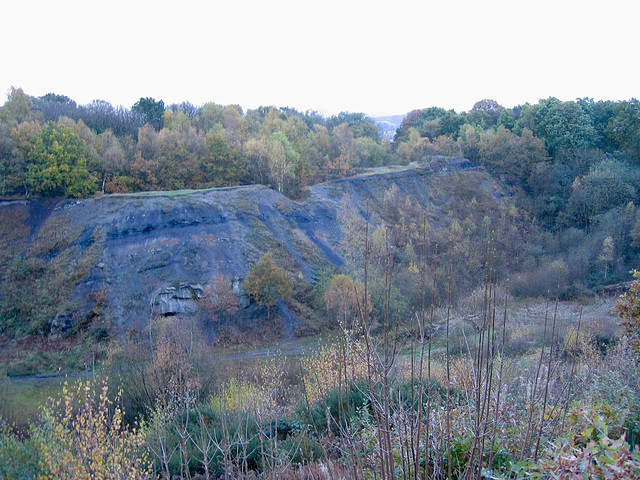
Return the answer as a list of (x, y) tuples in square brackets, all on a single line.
[(138, 256)]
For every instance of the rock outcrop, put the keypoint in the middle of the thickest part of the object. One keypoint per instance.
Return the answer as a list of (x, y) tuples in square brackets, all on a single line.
[(156, 250), (182, 298)]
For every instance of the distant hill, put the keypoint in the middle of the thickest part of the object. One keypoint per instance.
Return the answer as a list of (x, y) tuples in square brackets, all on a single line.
[(388, 125)]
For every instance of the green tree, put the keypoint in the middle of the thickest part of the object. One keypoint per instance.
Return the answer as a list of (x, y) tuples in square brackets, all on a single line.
[(17, 109), (489, 111), (57, 164), (623, 128), (628, 309), (221, 166), (425, 121), (150, 111), (283, 160), (562, 125), (14, 166), (267, 283), (503, 152), (449, 124)]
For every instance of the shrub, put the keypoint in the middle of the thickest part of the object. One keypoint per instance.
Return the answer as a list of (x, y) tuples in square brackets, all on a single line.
[(629, 311), (267, 283), (19, 458), (81, 436)]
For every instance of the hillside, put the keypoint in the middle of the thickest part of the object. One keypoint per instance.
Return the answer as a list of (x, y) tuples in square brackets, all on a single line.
[(125, 258)]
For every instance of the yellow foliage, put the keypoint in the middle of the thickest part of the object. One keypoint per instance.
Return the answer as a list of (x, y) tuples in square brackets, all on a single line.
[(81, 436), (334, 365), (240, 396)]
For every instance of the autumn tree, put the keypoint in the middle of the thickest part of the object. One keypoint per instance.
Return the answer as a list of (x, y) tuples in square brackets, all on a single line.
[(283, 160), (221, 166), (24, 138), (345, 300), (219, 299), (57, 164), (267, 283), (17, 108), (503, 152)]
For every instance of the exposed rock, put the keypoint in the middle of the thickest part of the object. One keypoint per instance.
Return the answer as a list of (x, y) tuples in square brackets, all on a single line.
[(178, 299), (63, 322), (153, 251), (243, 299)]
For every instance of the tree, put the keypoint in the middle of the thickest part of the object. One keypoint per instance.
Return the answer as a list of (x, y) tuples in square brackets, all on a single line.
[(221, 166), (150, 111), (609, 184), (623, 129), (425, 121), (563, 125), (24, 139), (606, 256), (219, 299), (344, 299), (51, 107), (17, 109), (57, 164), (449, 124), (486, 113), (503, 152), (100, 116), (267, 283), (283, 159)]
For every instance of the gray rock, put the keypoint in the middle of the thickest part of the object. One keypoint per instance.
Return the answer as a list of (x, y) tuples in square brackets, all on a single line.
[(183, 298), (63, 322), (243, 299)]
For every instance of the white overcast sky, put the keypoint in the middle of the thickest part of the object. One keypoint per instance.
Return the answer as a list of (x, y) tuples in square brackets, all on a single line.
[(377, 57)]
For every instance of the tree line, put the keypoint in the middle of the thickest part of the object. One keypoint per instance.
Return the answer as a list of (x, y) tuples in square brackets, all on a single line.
[(50, 146), (573, 160), (570, 162)]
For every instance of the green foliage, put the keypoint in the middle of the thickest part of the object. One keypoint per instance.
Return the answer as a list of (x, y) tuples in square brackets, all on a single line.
[(562, 125), (628, 308), (609, 184), (221, 166), (267, 283), (150, 110), (503, 152), (17, 109), (58, 165), (20, 458), (339, 409), (591, 453)]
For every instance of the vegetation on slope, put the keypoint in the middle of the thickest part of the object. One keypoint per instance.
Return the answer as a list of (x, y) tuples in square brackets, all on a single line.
[(481, 392)]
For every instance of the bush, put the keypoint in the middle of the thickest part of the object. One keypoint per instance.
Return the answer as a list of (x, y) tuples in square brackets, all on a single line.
[(338, 409), (629, 311), (19, 458), (267, 283), (81, 436)]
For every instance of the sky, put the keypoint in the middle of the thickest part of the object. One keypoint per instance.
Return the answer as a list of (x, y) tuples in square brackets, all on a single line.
[(376, 57)]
